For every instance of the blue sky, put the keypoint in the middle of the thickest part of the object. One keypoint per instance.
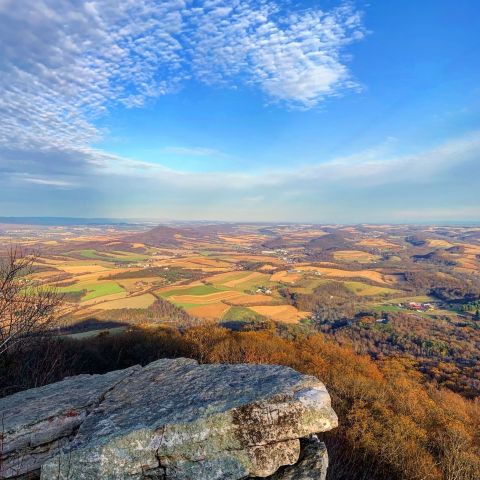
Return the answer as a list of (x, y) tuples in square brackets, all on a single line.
[(317, 111)]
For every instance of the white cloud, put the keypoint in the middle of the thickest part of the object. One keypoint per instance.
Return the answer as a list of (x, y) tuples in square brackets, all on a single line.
[(48, 182), (435, 184), (65, 62), (294, 58), (376, 167)]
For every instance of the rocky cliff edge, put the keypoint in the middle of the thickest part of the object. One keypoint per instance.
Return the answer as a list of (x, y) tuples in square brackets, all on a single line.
[(171, 420)]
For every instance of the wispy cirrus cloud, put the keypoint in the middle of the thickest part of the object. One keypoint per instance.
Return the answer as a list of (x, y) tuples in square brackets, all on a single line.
[(48, 182)]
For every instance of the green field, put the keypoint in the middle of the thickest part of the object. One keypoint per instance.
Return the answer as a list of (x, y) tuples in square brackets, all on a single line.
[(387, 308), (195, 290), (418, 299), (94, 333), (207, 289), (366, 290), (129, 256), (241, 314), (262, 280), (186, 305), (94, 289), (93, 254), (308, 284), (116, 256)]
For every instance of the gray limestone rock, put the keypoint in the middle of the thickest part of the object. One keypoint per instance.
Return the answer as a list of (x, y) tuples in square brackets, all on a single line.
[(36, 423), (171, 420), (312, 465)]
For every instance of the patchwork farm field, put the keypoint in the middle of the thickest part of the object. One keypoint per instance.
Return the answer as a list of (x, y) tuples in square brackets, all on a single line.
[(138, 301), (373, 275), (282, 313), (355, 256), (242, 273), (214, 295), (92, 290), (364, 289)]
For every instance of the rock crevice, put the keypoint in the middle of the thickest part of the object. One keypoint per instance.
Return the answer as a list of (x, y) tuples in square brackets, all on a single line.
[(171, 420)]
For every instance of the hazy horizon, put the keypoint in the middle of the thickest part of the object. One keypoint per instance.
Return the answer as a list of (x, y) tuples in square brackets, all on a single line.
[(272, 111), (91, 221)]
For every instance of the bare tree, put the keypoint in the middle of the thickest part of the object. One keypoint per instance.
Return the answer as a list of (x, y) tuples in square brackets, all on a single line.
[(26, 307)]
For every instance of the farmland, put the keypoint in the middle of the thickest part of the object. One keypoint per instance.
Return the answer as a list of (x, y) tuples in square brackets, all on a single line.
[(386, 290), (244, 272)]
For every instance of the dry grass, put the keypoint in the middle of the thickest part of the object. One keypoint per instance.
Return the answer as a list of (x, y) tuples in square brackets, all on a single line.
[(245, 278), (439, 243), (335, 272), (204, 299), (80, 269), (309, 234), (376, 242), (267, 268), (471, 249), (286, 277), (46, 275), (245, 300), (221, 278), (355, 256), (282, 313), (256, 258), (209, 262), (213, 311), (198, 265), (467, 265), (139, 301), (236, 240)]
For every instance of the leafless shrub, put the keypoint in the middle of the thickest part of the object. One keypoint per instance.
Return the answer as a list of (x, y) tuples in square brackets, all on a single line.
[(27, 309)]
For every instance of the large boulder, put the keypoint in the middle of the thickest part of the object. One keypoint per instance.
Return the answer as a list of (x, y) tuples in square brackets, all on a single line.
[(171, 420)]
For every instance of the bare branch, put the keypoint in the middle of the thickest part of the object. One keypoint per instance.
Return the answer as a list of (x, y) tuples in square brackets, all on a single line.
[(26, 308)]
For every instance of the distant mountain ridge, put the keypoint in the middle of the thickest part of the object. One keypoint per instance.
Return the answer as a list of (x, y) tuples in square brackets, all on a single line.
[(166, 236), (61, 221)]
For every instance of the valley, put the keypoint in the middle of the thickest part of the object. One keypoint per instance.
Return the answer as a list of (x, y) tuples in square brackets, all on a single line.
[(386, 290)]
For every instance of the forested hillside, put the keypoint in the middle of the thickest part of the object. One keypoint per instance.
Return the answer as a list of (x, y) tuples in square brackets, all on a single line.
[(393, 423)]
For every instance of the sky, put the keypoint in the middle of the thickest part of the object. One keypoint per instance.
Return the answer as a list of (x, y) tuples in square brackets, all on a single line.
[(241, 110)]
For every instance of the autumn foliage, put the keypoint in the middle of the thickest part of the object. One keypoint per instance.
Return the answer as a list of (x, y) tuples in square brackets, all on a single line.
[(393, 425)]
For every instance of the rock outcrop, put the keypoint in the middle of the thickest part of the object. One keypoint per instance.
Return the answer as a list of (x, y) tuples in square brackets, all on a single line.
[(312, 464), (171, 420)]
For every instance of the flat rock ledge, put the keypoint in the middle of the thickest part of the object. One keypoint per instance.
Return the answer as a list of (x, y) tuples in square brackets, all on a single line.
[(171, 420)]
